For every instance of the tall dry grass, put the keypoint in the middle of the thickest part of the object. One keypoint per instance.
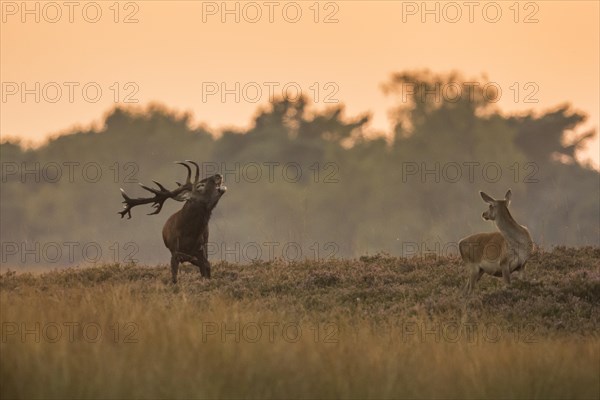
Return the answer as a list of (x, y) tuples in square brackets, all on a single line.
[(379, 327)]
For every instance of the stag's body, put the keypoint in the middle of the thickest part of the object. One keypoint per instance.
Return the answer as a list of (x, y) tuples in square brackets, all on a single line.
[(496, 253), (182, 236), (185, 233)]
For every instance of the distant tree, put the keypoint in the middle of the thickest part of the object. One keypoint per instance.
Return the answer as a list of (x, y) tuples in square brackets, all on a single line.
[(542, 138), (354, 193)]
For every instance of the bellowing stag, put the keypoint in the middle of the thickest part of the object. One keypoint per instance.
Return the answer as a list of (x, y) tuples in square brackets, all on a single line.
[(186, 232)]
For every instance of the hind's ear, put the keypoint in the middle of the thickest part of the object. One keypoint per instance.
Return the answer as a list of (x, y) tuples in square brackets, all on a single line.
[(486, 197), (507, 196)]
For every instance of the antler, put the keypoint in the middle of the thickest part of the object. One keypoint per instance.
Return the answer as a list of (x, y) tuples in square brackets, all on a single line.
[(161, 194), (196, 176)]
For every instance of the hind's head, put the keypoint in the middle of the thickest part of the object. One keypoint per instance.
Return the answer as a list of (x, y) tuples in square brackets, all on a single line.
[(495, 206)]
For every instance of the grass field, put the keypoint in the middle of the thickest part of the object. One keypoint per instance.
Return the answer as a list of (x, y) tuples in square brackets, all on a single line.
[(377, 327)]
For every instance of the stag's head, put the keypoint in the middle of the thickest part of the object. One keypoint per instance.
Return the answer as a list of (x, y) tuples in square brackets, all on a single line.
[(200, 195), (206, 193), (495, 206)]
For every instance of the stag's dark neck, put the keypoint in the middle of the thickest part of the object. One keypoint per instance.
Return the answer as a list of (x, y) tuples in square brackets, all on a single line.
[(195, 216)]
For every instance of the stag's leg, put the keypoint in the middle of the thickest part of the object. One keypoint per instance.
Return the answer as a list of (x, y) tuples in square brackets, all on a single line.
[(204, 266), (206, 269), (204, 252), (174, 267), (202, 262)]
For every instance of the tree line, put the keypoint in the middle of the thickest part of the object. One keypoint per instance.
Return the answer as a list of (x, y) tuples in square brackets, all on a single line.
[(305, 183)]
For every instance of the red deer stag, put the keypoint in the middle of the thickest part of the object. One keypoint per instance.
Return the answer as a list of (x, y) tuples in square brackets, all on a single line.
[(496, 253), (186, 232)]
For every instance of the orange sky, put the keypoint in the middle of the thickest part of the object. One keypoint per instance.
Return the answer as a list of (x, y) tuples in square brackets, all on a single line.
[(176, 50)]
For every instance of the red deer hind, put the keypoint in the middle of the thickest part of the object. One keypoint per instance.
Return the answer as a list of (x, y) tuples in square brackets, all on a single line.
[(186, 232), (496, 253)]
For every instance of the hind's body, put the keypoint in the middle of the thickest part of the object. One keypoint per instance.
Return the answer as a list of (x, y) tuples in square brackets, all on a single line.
[(496, 253)]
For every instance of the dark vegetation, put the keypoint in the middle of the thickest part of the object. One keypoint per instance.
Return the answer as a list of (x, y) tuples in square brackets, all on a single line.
[(357, 191)]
